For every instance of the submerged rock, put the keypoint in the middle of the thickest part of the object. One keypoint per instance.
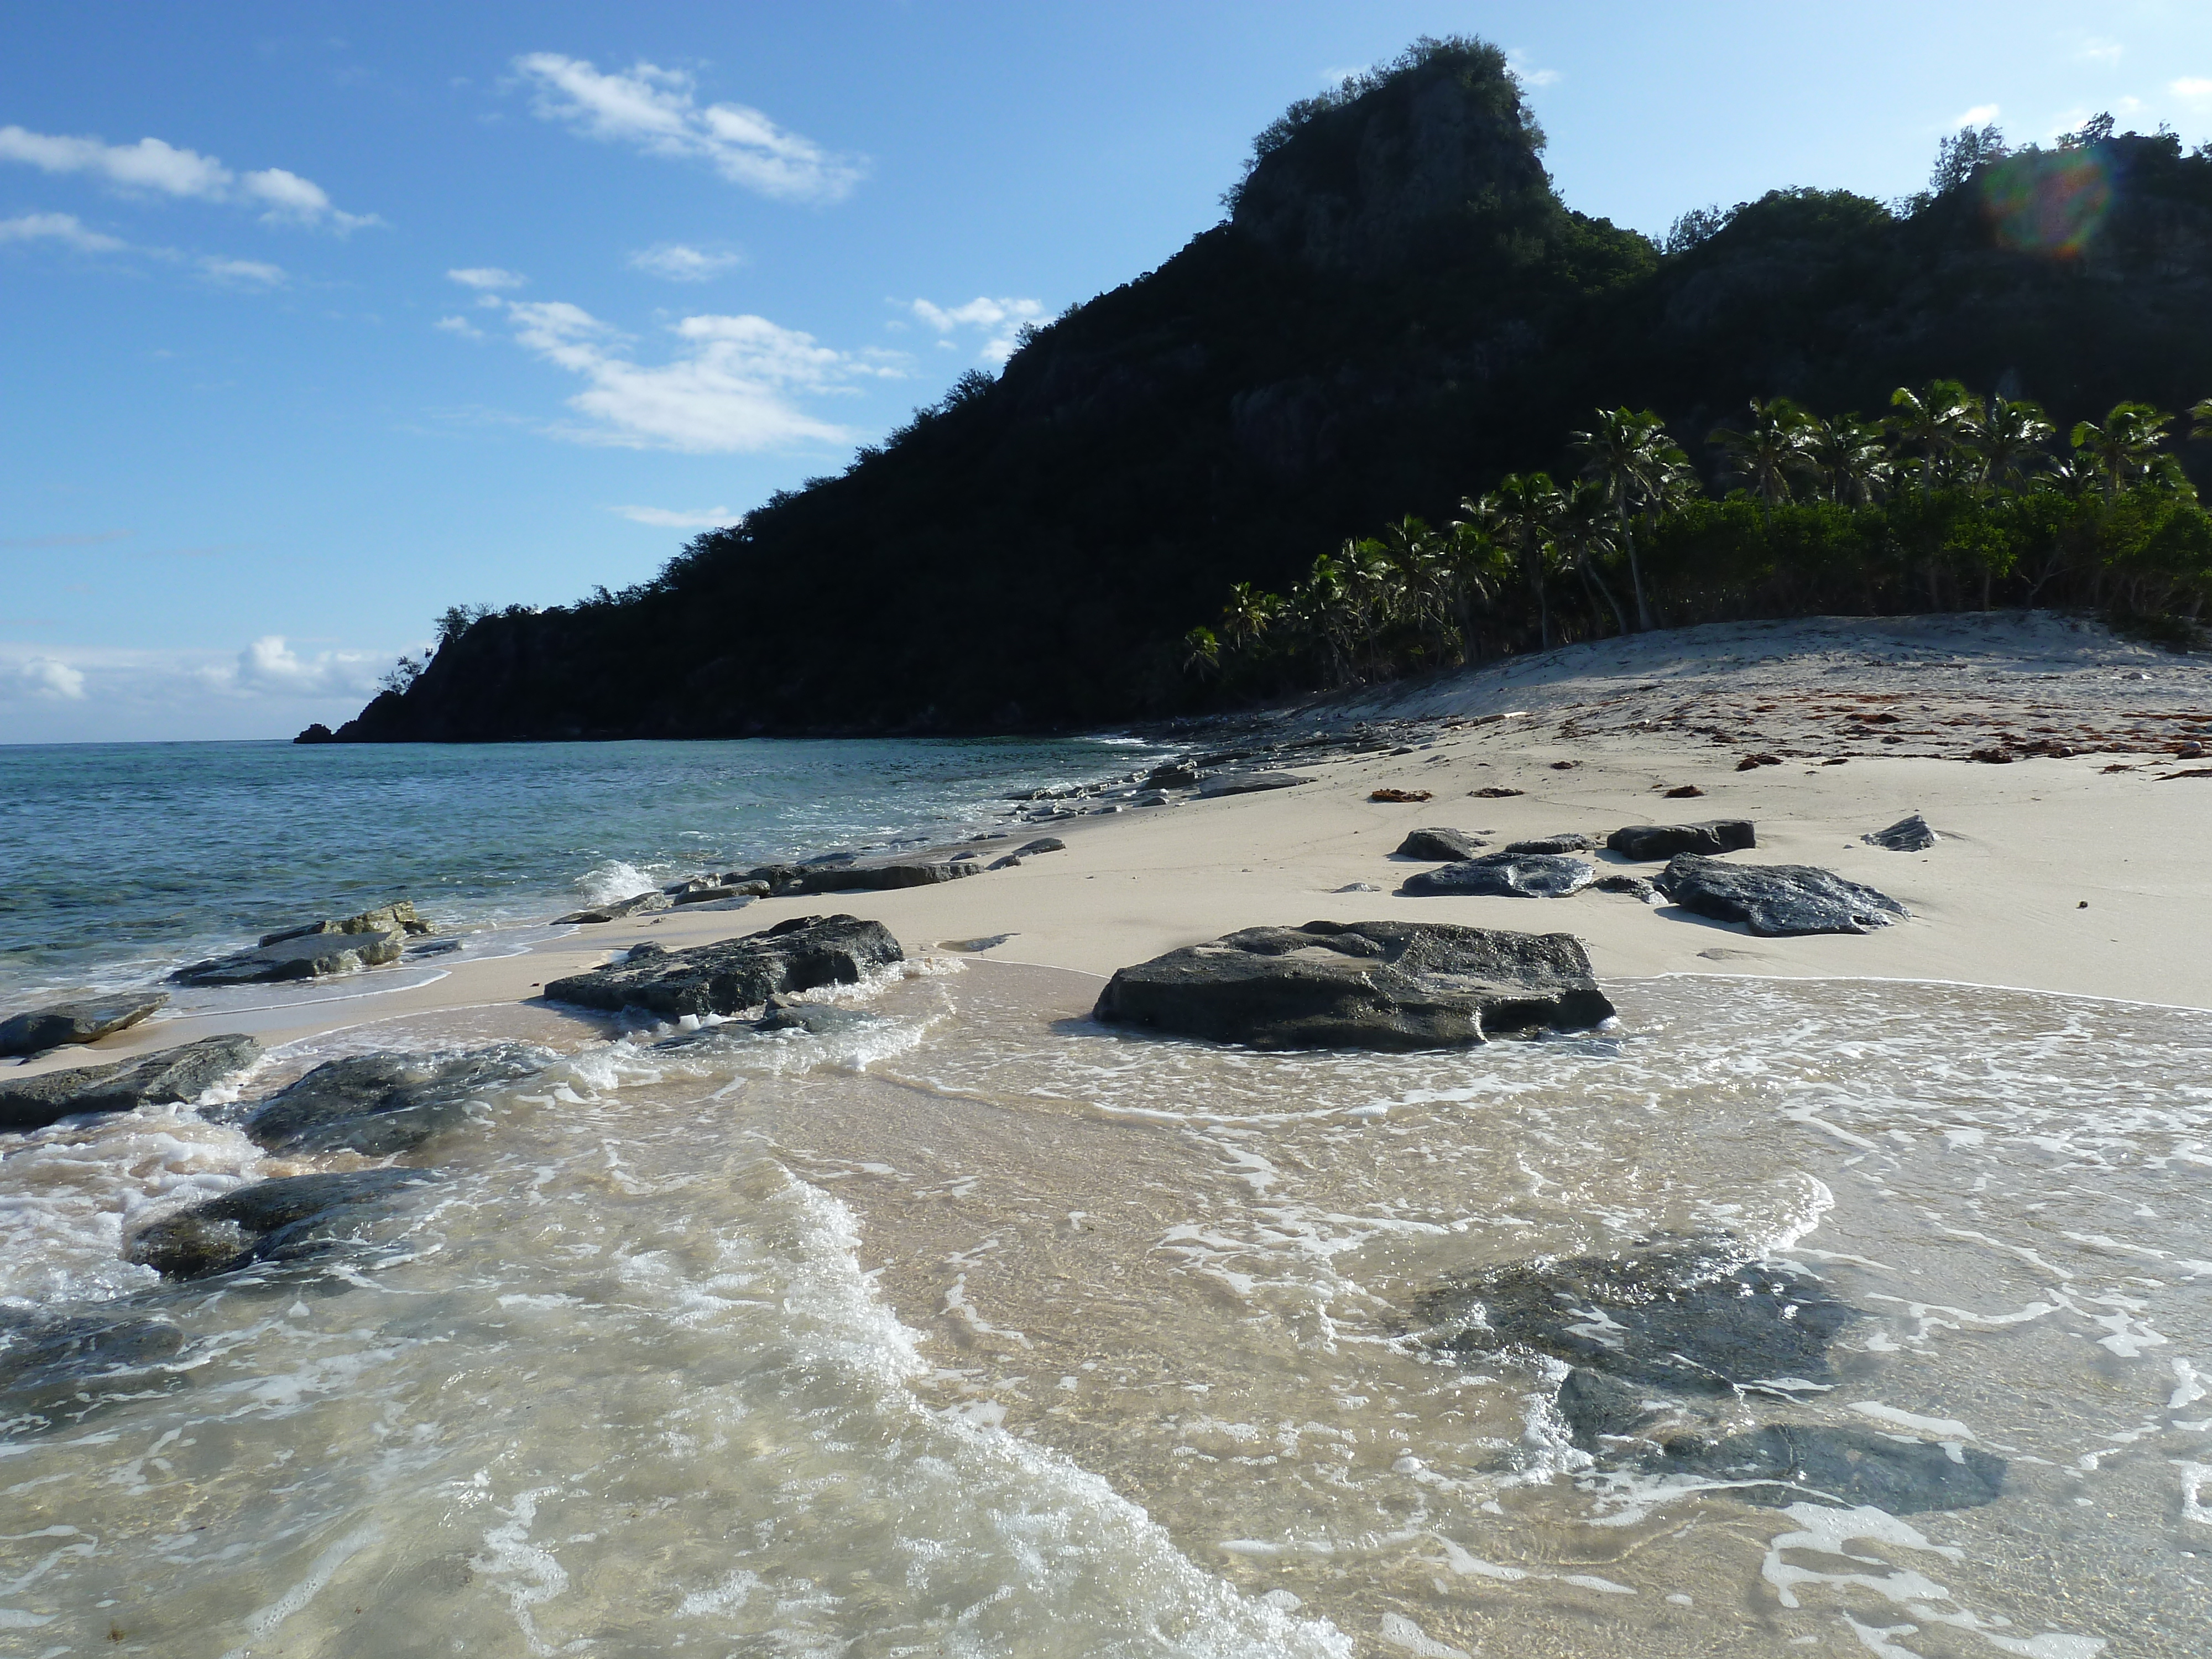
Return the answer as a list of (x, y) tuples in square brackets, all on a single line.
[(726, 978), (269, 1221), (1774, 899), (1648, 844), (1563, 844), (1506, 875), (52, 1369), (637, 904), (85, 1021), (1442, 845), (1695, 1318), (174, 1074), (1784, 1463), (379, 1104), (1596, 1406), (302, 956), (1387, 985), (1907, 835), (1247, 783)]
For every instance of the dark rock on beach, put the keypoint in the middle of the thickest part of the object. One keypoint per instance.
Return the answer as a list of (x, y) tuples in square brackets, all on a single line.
[(271, 1221), (1387, 985), (313, 955), (1773, 900), (1907, 835), (174, 1074), (1505, 875), (379, 1104), (725, 978), (1693, 1318), (1566, 843), (873, 875), (1634, 887), (1247, 783), (637, 904), (723, 893), (1650, 842), (85, 1021), (1784, 1463), (1445, 846)]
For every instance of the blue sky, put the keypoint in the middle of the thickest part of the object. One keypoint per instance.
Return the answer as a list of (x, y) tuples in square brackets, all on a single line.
[(318, 318)]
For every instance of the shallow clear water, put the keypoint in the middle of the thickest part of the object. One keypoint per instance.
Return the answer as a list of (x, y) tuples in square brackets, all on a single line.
[(118, 862), (984, 1330)]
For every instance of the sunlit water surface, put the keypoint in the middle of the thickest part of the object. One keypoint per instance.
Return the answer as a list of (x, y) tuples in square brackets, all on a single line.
[(983, 1330)]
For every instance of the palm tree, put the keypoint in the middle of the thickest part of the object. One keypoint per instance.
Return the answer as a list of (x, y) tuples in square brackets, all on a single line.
[(1477, 565), (1201, 653), (1630, 456), (2129, 445), (1519, 513), (1773, 446), (1850, 459), (1248, 615), (1580, 535), (2009, 443), (1421, 560), (1935, 420), (2200, 420)]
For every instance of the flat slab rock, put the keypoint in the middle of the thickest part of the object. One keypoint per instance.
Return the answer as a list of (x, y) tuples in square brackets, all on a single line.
[(84, 1021), (1648, 844), (1563, 844), (1777, 900), (798, 955), (271, 1221), (1248, 783), (1505, 875), (1441, 845), (380, 1104), (1389, 985), (638, 905), (173, 1075), (304, 956)]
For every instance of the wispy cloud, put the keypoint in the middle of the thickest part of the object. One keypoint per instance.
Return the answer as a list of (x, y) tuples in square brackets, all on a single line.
[(2195, 87), (679, 262), (487, 277), (153, 166), (662, 517), (460, 325), (733, 385), (998, 321), (654, 109), (2095, 50), (66, 228), (1517, 61), (242, 273), (1980, 116)]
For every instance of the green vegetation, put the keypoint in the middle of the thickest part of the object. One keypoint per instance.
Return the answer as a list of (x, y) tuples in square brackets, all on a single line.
[(1955, 501), (1399, 313)]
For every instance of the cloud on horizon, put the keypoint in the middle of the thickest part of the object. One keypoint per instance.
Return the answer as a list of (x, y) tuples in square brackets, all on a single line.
[(654, 110), (999, 321), (153, 166), (731, 388), (63, 694)]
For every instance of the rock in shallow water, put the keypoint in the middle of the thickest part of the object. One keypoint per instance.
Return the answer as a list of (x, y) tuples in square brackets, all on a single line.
[(174, 1074), (798, 955), (1695, 1318), (307, 955), (1505, 875), (1776, 900), (1648, 844), (637, 904), (56, 1370), (1389, 985), (269, 1221), (85, 1021), (379, 1104), (1444, 846)]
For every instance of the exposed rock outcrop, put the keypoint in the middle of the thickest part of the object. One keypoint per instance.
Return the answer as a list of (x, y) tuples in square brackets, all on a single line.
[(1907, 835), (1650, 842), (174, 1074), (1774, 899), (379, 1104), (1505, 875), (1387, 985), (798, 955), (1445, 846), (271, 1221), (84, 1021)]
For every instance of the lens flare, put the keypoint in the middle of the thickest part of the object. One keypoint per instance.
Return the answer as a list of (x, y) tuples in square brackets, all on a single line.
[(2049, 201)]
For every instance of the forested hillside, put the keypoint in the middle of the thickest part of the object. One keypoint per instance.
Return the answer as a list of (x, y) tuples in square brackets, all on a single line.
[(1398, 311)]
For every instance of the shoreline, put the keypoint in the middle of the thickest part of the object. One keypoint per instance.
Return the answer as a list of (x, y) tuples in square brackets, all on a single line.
[(2054, 874)]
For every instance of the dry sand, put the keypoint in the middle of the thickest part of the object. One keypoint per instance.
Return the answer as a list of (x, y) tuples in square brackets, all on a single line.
[(2056, 873)]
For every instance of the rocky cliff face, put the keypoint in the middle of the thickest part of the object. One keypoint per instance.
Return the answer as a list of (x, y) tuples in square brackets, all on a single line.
[(1398, 310)]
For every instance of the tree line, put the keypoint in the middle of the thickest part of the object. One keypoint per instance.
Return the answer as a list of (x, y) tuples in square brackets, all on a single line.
[(1951, 501)]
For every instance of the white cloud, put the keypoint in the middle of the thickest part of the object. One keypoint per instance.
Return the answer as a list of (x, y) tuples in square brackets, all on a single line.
[(152, 166), (2195, 88), (63, 227), (661, 518), (653, 109), (731, 387), (2097, 51), (48, 678), (1980, 116), (242, 273), (1000, 322), (460, 325), (484, 278), (269, 665), (680, 263), (1517, 61)]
